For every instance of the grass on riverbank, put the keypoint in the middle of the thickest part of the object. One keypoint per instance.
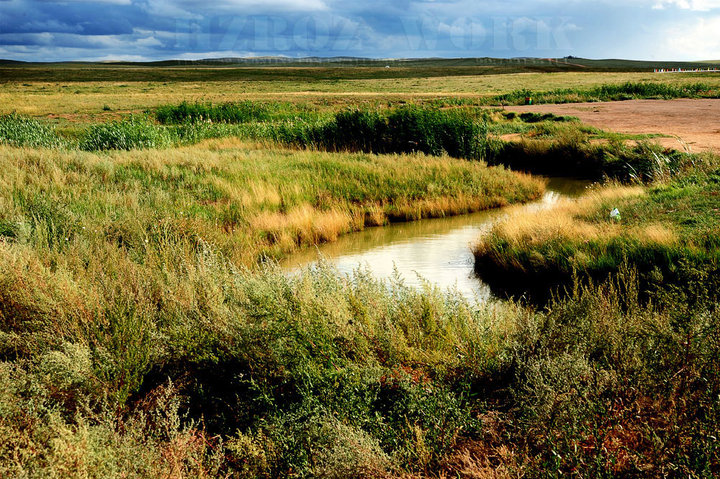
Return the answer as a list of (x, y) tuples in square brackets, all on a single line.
[(572, 149), (248, 201), (188, 366), (549, 144), (124, 300), (668, 232)]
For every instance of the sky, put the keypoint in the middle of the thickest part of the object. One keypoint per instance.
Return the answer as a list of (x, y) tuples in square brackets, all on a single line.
[(139, 30)]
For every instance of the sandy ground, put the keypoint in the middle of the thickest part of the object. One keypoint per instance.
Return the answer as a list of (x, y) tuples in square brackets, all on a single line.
[(695, 123)]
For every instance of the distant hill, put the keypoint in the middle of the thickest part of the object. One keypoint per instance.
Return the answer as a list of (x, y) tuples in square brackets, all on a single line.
[(569, 62), (314, 68)]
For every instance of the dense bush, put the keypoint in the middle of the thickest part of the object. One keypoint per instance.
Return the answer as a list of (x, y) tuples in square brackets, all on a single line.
[(317, 375), (606, 387)]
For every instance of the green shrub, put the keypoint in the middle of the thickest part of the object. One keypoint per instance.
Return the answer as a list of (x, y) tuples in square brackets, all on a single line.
[(567, 151), (356, 130), (607, 387), (530, 117), (8, 229), (436, 132)]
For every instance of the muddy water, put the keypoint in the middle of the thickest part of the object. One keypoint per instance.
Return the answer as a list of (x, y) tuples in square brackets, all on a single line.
[(434, 250)]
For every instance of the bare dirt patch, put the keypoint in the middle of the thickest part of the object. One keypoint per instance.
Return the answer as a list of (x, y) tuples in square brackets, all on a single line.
[(695, 123)]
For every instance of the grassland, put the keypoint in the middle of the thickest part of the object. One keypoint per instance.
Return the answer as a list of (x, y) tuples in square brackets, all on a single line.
[(85, 100), (143, 333)]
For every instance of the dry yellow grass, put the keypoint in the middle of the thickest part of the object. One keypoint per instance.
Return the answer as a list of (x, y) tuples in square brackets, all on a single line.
[(84, 100), (570, 220)]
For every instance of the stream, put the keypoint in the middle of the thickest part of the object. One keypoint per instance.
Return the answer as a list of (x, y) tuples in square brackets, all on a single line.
[(433, 250)]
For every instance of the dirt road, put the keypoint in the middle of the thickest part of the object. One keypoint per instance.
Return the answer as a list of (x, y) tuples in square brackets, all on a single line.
[(695, 123)]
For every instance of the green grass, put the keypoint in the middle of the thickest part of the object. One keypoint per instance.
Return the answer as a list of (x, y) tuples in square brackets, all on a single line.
[(255, 374), (552, 144), (250, 201), (402, 130), (566, 147), (16, 130), (139, 133), (670, 234), (225, 113), (232, 112), (610, 92), (129, 134), (409, 129)]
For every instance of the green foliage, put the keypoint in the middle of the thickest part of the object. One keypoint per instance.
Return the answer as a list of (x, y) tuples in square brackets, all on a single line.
[(669, 266), (8, 229), (625, 91), (129, 134), (50, 224), (319, 375), (403, 130), (242, 112), (530, 117), (568, 150), (607, 387), (16, 130)]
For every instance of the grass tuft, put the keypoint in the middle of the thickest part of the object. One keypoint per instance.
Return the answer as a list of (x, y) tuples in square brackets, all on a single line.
[(16, 130), (129, 134)]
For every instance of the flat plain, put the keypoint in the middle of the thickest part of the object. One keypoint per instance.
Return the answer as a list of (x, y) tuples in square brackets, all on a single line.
[(146, 329)]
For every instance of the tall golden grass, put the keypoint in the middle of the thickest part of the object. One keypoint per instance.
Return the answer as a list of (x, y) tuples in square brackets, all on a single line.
[(575, 221)]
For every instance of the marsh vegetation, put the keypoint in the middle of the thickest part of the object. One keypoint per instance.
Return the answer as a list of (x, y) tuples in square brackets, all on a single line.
[(145, 330)]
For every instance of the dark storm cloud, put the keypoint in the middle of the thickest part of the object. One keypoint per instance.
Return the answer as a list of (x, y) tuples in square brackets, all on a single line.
[(154, 29)]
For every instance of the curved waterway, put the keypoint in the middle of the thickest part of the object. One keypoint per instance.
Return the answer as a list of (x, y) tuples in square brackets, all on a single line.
[(433, 250)]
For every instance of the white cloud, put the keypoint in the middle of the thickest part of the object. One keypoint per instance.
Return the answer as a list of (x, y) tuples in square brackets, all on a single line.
[(255, 5), (699, 40), (695, 5)]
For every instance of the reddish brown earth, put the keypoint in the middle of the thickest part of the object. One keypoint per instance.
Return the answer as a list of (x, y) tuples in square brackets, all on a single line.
[(695, 123)]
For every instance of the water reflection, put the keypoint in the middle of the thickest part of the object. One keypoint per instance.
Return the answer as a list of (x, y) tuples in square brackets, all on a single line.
[(437, 250)]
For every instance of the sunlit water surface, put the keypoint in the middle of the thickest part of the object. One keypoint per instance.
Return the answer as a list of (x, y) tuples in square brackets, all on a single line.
[(434, 250)]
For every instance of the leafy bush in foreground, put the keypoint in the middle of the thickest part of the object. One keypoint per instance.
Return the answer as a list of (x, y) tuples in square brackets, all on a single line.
[(319, 375)]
